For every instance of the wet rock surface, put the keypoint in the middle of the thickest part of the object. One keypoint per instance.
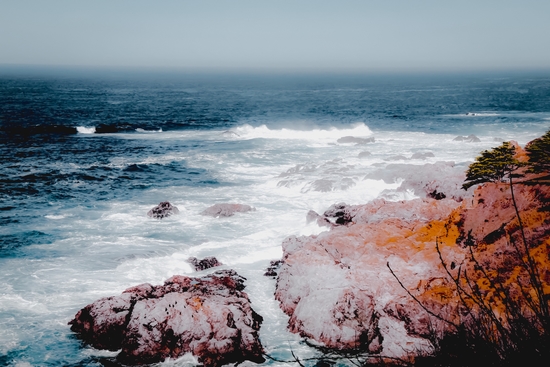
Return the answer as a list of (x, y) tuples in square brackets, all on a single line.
[(209, 317), (203, 264), (273, 268), (163, 210)]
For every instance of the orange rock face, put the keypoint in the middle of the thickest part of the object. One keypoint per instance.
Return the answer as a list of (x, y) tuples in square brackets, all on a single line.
[(338, 289)]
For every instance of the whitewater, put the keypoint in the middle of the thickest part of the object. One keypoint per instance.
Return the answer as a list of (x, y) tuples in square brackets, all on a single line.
[(75, 200)]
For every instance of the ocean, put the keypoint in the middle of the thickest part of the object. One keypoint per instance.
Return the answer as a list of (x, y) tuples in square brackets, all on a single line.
[(84, 157)]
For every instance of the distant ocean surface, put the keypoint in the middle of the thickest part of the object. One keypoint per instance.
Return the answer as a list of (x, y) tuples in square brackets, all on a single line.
[(83, 158)]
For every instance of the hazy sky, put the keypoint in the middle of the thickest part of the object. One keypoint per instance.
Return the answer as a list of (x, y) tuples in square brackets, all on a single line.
[(342, 35)]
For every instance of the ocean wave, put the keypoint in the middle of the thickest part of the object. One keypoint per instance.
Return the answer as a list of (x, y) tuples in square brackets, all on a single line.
[(85, 130), (143, 131), (332, 133)]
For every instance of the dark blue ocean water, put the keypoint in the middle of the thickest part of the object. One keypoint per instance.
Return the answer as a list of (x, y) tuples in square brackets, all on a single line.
[(82, 157)]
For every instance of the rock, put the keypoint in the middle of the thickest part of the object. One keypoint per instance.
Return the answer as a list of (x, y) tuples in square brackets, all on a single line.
[(226, 210), (338, 214), (467, 139), (355, 140), (206, 263), (338, 290), (209, 317), (163, 210), (273, 268), (422, 156), (364, 154)]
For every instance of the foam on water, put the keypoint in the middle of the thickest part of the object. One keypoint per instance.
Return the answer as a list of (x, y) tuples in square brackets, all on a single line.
[(85, 130)]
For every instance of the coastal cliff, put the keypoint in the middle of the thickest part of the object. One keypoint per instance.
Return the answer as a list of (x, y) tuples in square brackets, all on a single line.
[(393, 278)]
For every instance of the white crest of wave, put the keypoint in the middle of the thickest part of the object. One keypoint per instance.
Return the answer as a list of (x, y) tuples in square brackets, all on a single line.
[(85, 130), (143, 131), (332, 133)]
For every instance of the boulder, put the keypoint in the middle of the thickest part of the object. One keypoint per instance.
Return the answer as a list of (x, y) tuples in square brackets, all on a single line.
[(226, 210), (206, 263), (163, 210), (209, 317)]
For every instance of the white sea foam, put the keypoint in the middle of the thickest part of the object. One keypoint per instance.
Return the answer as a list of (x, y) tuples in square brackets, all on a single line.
[(330, 134), (143, 131), (85, 130)]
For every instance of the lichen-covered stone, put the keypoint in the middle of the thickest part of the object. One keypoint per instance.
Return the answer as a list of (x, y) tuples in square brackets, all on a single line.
[(209, 317)]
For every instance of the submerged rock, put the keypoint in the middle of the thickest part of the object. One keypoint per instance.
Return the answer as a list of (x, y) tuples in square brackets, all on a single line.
[(209, 317), (163, 210), (206, 263), (226, 210)]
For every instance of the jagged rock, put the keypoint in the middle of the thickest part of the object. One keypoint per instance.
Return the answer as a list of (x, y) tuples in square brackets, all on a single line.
[(226, 210), (338, 214), (206, 263), (163, 210), (355, 140), (273, 268), (209, 317), (467, 139)]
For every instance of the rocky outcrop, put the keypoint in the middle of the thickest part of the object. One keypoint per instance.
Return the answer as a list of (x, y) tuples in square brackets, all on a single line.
[(226, 210), (336, 286), (163, 210), (338, 289), (209, 317), (203, 264)]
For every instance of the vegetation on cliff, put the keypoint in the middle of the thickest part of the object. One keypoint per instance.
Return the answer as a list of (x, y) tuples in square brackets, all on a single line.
[(504, 287)]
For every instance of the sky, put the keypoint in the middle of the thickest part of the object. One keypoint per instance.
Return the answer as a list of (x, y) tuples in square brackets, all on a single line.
[(281, 35)]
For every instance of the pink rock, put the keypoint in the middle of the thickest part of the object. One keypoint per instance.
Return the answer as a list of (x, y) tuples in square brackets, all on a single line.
[(338, 291), (209, 317), (226, 210)]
